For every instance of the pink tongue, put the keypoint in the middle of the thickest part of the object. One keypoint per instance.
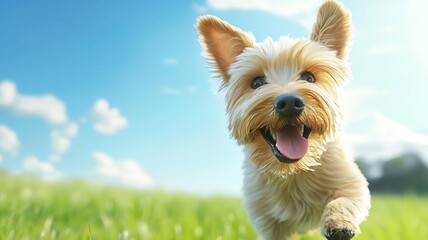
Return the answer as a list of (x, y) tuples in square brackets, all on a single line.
[(291, 143)]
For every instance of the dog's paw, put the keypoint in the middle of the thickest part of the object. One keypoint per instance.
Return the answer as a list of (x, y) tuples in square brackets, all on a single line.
[(339, 234), (339, 221), (339, 227)]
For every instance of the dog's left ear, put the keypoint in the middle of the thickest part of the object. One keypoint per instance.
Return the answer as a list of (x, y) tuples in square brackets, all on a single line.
[(333, 27)]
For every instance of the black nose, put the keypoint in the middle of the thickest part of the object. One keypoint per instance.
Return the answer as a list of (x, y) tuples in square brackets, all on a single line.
[(289, 105)]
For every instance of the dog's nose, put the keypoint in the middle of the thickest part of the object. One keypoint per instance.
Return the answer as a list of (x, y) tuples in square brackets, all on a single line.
[(289, 105)]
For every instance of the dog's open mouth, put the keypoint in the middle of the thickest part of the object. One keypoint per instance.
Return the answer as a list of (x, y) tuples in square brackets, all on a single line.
[(289, 143)]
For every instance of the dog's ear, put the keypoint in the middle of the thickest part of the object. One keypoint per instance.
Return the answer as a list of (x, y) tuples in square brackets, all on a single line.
[(222, 42), (333, 27)]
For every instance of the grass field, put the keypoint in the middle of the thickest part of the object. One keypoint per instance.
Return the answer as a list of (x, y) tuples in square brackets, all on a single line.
[(31, 209)]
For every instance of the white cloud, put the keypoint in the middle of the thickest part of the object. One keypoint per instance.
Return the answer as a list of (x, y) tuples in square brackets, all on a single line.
[(379, 138), (44, 169), (7, 93), (386, 138), (60, 143), (170, 61), (128, 172), (1, 158), (302, 11), (107, 120), (9, 141), (199, 9), (47, 107), (382, 138), (31, 163), (70, 129), (61, 139)]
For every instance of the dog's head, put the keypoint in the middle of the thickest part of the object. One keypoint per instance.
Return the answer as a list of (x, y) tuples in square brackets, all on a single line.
[(283, 98)]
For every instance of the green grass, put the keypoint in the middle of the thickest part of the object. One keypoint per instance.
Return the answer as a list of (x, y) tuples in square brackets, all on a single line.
[(31, 209)]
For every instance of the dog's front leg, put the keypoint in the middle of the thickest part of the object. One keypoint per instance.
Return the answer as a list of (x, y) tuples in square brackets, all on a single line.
[(271, 229), (342, 217)]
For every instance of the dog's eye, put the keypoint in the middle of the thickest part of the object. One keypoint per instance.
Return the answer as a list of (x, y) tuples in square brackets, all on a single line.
[(307, 76), (258, 82)]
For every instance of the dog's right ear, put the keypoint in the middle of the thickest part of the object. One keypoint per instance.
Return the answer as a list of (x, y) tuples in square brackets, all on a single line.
[(333, 27), (222, 43)]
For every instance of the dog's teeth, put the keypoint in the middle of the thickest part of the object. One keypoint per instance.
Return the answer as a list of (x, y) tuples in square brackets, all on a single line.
[(302, 128), (272, 133)]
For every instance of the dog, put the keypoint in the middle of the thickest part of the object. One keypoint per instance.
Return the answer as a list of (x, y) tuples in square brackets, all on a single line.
[(283, 102)]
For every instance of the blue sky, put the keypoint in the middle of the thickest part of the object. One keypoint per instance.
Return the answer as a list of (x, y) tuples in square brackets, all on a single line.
[(119, 93)]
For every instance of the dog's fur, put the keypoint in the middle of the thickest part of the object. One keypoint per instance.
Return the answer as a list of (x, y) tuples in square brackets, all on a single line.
[(325, 187)]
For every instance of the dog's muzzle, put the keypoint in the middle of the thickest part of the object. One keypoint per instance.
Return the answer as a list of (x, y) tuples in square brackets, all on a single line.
[(290, 142)]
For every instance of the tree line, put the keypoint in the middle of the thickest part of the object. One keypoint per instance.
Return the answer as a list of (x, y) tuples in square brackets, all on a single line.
[(407, 173)]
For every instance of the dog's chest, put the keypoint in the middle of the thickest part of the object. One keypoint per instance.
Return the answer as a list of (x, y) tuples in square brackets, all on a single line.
[(297, 199)]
